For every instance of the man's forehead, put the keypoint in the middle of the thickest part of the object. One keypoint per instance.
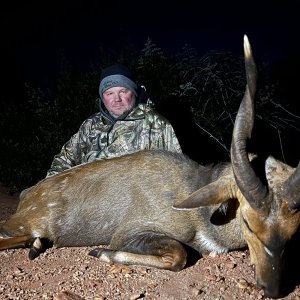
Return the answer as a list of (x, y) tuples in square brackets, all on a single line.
[(116, 88)]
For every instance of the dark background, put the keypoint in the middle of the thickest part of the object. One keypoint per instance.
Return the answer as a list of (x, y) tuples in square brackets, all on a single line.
[(35, 35)]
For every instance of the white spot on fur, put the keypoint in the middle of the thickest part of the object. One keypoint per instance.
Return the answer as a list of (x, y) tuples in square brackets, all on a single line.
[(51, 204), (21, 227), (35, 234), (268, 251), (180, 208), (33, 208), (107, 225), (210, 245)]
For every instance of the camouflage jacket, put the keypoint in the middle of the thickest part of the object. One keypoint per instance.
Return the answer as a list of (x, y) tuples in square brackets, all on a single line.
[(143, 128)]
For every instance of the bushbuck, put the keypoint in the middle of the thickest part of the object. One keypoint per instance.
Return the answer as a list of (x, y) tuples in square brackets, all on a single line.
[(148, 206)]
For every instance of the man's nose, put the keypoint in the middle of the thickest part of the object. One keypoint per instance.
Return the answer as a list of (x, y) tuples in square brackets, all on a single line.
[(118, 97)]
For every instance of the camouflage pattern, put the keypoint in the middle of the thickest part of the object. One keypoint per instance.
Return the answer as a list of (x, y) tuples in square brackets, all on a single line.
[(96, 138)]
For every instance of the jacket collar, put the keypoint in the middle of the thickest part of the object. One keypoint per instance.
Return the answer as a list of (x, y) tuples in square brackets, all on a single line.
[(138, 112)]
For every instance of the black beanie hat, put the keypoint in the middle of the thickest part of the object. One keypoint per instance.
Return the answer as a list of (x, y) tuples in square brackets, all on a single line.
[(116, 75)]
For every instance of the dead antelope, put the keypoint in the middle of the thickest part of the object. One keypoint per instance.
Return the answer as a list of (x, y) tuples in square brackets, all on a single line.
[(129, 203)]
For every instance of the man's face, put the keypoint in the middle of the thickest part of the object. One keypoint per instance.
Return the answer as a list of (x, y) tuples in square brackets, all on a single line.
[(118, 100)]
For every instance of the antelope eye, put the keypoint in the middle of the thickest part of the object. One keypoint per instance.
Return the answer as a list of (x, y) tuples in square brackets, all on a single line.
[(247, 225)]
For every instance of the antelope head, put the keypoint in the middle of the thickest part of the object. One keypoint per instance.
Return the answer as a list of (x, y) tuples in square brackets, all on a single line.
[(269, 212)]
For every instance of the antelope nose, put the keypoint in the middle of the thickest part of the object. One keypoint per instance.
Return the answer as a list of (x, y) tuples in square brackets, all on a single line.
[(272, 293)]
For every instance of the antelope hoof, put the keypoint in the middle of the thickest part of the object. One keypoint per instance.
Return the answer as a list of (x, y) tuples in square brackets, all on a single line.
[(103, 254), (36, 249), (96, 252)]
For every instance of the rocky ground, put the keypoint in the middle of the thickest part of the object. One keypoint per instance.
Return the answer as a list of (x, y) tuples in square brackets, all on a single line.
[(69, 273)]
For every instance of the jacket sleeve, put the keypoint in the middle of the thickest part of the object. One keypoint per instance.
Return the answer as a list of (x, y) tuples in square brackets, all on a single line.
[(163, 135), (171, 140), (70, 154)]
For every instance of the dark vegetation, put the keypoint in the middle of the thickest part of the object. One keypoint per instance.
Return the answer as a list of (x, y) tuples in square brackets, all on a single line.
[(200, 95)]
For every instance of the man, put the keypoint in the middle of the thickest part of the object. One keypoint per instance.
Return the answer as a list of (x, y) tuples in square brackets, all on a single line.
[(122, 126)]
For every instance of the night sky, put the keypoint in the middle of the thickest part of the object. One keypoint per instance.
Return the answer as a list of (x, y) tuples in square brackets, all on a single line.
[(35, 33)]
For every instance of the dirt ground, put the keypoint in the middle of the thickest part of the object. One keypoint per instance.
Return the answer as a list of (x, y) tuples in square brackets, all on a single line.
[(70, 273)]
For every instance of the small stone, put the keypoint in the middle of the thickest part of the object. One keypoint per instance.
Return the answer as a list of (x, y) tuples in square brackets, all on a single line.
[(242, 284)]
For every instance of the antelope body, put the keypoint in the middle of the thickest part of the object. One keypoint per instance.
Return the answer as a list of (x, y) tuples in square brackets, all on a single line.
[(149, 204)]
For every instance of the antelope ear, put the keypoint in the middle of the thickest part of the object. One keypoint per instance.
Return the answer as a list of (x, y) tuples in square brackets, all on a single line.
[(214, 193)]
